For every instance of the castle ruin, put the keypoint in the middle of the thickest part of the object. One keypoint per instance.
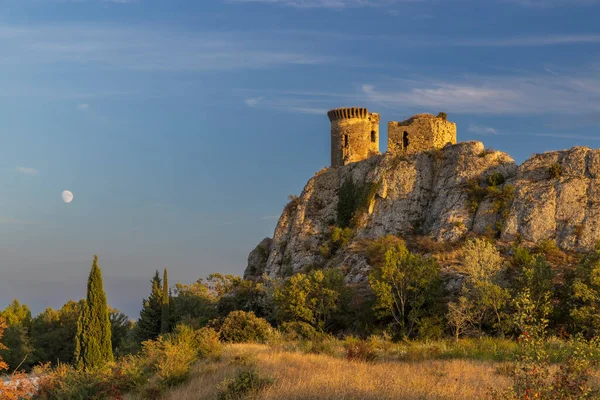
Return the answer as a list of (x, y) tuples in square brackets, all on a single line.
[(355, 134)]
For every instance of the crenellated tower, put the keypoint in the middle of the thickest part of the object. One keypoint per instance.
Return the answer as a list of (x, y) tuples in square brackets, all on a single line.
[(354, 135)]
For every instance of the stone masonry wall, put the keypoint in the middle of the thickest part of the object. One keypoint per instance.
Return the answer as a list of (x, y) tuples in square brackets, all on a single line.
[(424, 132)]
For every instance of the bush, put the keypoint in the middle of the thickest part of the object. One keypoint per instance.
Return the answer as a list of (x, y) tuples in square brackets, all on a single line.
[(495, 179), (241, 326), (443, 116), (353, 201), (360, 350), (299, 330), (247, 381), (555, 170)]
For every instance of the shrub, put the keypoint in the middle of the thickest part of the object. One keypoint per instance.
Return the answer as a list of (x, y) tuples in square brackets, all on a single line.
[(360, 350), (495, 179), (298, 330), (353, 201), (241, 326), (207, 342), (555, 170), (247, 381), (442, 115)]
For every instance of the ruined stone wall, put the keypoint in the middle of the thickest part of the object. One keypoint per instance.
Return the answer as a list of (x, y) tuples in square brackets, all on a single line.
[(419, 133), (354, 135)]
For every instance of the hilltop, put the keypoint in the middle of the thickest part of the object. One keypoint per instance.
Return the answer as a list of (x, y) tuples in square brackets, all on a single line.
[(446, 194)]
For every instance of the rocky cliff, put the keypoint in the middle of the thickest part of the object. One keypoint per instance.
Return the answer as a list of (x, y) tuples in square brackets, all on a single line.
[(446, 194)]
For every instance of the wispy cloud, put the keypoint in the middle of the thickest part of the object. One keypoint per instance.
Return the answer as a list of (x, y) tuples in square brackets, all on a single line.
[(552, 3), (83, 107), (482, 130), (27, 171), (340, 4), (570, 92), (288, 103), (567, 136), (325, 3), (158, 49)]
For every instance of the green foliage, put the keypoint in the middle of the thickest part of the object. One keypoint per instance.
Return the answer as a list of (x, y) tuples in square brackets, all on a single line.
[(312, 298), (149, 323), (406, 286), (442, 115), (495, 179), (193, 304), (361, 350), (586, 295), (338, 239), (19, 349), (17, 314), (165, 309), (354, 201), (53, 334), (555, 170), (241, 327), (93, 345), (247, 381), (532, 376), (495, 188), (486, 298), (16, 336), (121, 327)]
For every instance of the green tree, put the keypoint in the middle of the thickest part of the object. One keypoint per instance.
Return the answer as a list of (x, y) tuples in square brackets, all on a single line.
[(17, 336), (53, 333), (483, 266), (120, 326), (17, 313), (405, 285), (18, 355), (193, 304), (312, 298), (148, 326), (585, 289), (165, 311), (93, 344)]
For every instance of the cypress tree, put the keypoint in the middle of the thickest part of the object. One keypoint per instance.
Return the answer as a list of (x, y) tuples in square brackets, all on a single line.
[(148, 326), (164, 320), (93, 345)]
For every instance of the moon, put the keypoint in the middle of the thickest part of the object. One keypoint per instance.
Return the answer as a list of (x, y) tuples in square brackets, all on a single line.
[(67, 196)]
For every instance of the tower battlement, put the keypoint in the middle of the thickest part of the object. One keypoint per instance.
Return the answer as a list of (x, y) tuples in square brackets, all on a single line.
[(354, 135), (344, 113)]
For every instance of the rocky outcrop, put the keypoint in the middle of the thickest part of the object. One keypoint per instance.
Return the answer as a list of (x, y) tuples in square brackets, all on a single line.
[(446, 194)]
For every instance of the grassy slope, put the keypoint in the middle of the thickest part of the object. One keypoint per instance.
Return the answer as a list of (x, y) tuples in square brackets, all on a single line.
[(311, 376)]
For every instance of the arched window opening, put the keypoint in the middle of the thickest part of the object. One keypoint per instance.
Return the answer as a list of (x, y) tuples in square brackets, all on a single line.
[(346, 141), (405, 140), (373, 137)]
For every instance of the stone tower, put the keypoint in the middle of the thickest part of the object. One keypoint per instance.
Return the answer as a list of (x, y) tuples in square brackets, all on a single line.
[(354, 135), (420, 132)]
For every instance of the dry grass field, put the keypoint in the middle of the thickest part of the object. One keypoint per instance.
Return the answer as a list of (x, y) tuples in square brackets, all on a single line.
[(316, 376)]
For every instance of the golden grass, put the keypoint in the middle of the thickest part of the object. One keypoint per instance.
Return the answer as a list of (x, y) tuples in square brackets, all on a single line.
[(309, 376)]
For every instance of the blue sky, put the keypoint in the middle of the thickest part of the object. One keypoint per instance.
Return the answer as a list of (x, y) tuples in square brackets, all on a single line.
[(182, 126)]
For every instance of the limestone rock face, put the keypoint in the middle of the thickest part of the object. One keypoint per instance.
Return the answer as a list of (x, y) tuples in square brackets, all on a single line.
[(429, 193)]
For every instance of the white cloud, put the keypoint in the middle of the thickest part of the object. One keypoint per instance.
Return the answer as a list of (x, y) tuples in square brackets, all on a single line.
[(253, 102), (567, 136), (570, 92), (286, 103), (553, 3), (28, 171), (157, 49), (482, 130), (325, 3), (83, 106)]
